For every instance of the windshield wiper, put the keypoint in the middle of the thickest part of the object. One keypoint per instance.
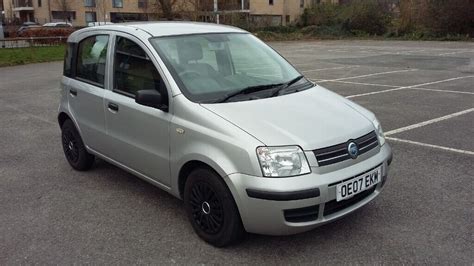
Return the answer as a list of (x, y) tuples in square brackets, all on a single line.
[(286, 85), (247, 90)]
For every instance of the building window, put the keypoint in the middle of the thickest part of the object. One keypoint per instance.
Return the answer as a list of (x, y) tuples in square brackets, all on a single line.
[(91, 17), (39, 3), (301, 3), (64, 15), (142, 3), (89, 3), (117, 3), (270, 2)]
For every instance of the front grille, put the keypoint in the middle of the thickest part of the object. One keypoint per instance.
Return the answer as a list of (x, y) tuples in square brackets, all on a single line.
[(300, 215), (334, 206), (338, 153)]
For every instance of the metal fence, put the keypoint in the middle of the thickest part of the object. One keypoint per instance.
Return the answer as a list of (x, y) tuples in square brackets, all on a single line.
[(32, 42)]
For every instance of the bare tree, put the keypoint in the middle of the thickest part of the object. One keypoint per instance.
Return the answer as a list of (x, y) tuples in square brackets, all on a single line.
[(144, 7), (10, 13), (101, 7), (170, 9), (165, 7), (64, 8), (437, 17)]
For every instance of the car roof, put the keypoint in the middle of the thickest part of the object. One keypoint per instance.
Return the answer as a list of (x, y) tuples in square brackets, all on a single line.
[(168, 28)]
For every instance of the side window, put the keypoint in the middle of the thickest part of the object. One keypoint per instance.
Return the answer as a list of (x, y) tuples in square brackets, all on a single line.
[(91, 59), (68, 60), (133, 70)]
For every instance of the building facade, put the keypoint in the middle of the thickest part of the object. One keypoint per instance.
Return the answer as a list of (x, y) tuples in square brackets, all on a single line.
[(82, 12), (77, 12), (276, 12), (258, 12)]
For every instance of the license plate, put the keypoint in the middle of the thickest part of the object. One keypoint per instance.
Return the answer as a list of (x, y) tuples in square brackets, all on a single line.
[(358, 184)]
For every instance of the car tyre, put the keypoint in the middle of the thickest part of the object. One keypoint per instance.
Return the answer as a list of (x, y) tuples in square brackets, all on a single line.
[(211, 208), (74, 149)]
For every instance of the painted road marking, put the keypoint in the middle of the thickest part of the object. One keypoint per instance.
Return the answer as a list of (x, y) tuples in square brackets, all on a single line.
[(457, 52), (431, 146), (28, 114), (362, 83), (329, 68), (370, 75), (407, 87), (305, 64), (448, 91), (374, 92), (421, 124)]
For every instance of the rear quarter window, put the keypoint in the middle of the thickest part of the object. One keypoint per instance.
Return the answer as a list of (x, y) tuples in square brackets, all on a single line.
[(68, 56), (91, 59)]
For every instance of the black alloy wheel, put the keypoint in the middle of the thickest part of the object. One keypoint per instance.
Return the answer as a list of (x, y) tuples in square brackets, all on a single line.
[(211, 208), (70, 147), (73, 147), (207, 209)]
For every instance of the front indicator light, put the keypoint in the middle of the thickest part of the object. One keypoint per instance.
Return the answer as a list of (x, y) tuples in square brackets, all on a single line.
[(380, 134)]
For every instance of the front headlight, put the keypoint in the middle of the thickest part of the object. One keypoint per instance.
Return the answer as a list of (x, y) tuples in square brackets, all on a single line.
[(380, 134), (282, 161)]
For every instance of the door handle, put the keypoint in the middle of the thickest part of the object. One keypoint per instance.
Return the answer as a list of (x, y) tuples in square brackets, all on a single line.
[(73, 92), (113, 107)]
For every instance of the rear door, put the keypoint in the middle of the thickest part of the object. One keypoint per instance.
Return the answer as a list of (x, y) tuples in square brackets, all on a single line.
[(138, 135), (86, 88)]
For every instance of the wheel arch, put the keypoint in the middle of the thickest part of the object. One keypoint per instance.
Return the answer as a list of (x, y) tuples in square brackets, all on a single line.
[(62, 117), (187, 168)]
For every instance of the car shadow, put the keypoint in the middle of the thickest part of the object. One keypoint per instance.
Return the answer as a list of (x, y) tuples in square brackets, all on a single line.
[(173, 208)]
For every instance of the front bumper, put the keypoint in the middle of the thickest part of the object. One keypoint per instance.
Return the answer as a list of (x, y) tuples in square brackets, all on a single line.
[(283, 206)]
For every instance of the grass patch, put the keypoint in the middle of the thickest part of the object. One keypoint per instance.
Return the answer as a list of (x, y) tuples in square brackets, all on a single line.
[(20, 56)]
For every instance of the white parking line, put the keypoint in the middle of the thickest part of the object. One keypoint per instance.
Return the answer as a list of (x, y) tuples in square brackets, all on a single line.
[(362, 83), (374, 92), (305, 64), (431, 146), (329, 68), (451, 53), (370, 75), (407, 87), (394, 86), (28, 114), (447, 91), (421, 124)]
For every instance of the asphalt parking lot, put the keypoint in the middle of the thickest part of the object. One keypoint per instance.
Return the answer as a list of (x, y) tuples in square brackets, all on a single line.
[(422, 92)]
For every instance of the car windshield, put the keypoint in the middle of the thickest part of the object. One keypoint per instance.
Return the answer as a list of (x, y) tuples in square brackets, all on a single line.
[(216, 67)]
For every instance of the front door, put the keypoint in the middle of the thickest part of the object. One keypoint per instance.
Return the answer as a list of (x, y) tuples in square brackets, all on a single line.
[(138, 135)]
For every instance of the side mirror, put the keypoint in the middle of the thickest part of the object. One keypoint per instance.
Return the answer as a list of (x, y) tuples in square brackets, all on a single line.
[(151, 98)]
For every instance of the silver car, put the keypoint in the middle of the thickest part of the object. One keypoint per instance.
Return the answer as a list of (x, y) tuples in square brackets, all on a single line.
[(215, 117)]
